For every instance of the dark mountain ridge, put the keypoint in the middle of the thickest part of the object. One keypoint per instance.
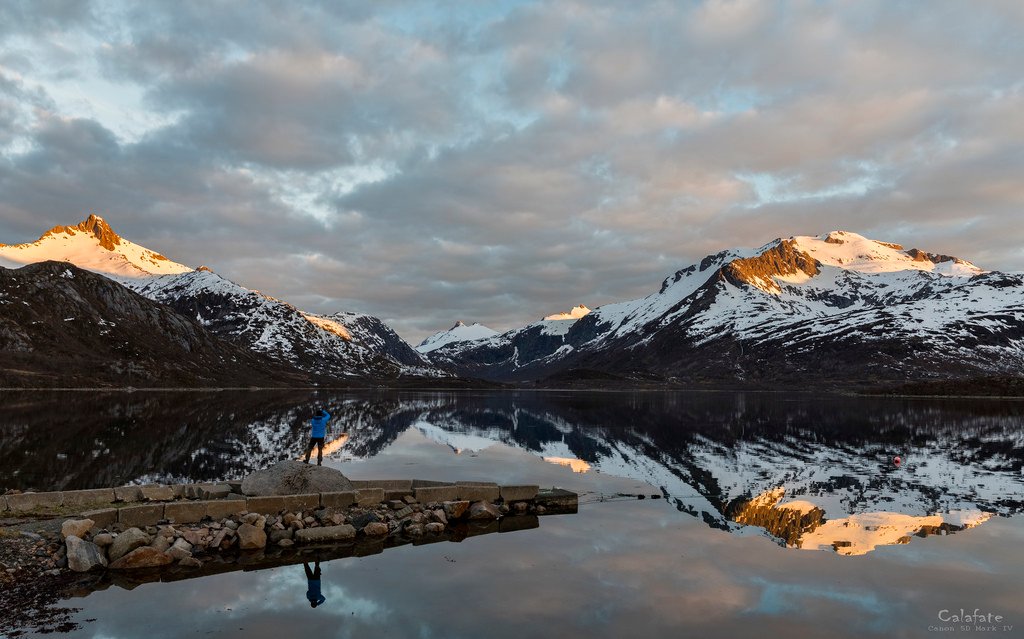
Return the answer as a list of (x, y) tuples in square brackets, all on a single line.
[(62, 326)]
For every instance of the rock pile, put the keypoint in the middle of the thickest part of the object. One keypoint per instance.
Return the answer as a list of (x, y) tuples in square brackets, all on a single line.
[(189, 545)]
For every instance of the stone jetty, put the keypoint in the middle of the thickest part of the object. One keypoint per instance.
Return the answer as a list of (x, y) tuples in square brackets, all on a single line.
[(272, 516)]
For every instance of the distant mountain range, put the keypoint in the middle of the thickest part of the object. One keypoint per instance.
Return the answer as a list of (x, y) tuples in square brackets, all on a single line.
[(805, 311), (808, 311)]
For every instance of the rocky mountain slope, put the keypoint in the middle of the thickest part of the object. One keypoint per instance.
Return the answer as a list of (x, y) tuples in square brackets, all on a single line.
[(62, 326), (343, 345), (832, 309)]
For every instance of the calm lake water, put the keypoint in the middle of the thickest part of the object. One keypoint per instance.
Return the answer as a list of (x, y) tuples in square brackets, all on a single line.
[(779, 515)]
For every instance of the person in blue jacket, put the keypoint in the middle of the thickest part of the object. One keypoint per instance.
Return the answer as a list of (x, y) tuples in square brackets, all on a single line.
[(317, 435), (313, 589)]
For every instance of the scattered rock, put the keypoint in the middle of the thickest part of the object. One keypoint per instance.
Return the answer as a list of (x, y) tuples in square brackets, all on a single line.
[(520, 507), (218, 539), (483, 510), (195, 537), (166, 531), (180, 550), (278, 535), (403, 513), (285, 543), (375, 529), (361, 521), (144, 557), (250, 537), (190, 562), (126, 542), (83, 555), (455, 509), (295, 478), (162, 543), (76, 527), (344, 532), (103, 540), (434, 527)]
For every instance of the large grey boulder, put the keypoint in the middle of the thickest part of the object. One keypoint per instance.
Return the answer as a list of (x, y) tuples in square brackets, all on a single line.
[(294, 478), (83, 555), (484, 510), (126, 542)]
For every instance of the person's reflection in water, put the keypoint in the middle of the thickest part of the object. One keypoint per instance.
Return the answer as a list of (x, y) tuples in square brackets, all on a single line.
[(313, 590)]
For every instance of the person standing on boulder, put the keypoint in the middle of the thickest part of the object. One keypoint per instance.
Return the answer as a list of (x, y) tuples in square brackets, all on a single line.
[(317, 436)]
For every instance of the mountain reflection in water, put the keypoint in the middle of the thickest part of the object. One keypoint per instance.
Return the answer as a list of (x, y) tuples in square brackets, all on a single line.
[(811, 472)]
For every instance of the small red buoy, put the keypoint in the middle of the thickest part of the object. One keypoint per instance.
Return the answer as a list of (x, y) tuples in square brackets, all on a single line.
[(896, 460)]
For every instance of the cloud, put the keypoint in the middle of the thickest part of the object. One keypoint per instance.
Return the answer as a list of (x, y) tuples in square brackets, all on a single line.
[(506, 161)]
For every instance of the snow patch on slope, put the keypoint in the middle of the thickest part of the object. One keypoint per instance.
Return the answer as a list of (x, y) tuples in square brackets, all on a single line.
[(577, 312), (330, 325)]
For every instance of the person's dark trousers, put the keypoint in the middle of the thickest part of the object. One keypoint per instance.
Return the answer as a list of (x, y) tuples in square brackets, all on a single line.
[(317, 442)]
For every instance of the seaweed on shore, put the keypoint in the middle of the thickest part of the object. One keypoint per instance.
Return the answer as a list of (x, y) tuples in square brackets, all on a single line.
[(30, 603)]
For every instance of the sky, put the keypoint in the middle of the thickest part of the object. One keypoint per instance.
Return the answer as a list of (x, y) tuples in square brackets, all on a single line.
[(497, 162)]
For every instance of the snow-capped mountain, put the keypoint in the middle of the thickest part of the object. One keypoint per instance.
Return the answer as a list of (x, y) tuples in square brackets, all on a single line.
[(832, 308), (344, 345), (458, 333), (94, 246)]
